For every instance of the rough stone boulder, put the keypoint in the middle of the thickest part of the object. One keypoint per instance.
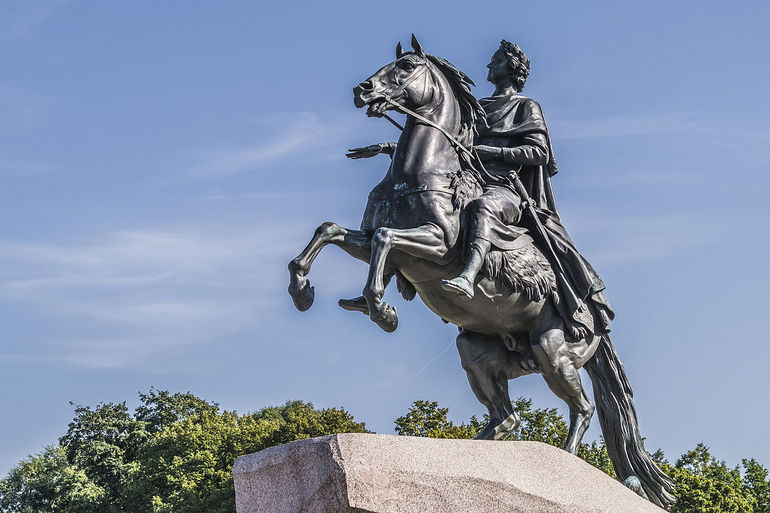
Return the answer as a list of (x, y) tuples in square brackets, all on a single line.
[(368, 473)]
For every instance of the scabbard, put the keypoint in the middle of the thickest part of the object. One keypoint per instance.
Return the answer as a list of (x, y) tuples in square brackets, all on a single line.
[(536, 223)]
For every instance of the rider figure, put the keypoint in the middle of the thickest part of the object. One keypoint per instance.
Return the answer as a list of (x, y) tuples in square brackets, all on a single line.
[(516, 140), (494, 215)]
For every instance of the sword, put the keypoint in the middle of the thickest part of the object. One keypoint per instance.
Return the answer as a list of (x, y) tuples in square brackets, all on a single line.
[(529, 208)]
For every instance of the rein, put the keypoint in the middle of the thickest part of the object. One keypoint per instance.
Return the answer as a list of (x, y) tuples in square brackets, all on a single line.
[(405, 110), (472, 154)]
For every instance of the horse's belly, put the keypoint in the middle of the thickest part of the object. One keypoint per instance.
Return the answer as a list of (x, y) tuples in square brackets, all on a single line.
[(489, 312)]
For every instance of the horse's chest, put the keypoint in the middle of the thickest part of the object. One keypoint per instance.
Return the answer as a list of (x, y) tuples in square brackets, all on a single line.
[(406, 208)]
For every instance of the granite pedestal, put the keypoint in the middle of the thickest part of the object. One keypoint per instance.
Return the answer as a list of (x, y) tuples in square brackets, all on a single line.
[(369, 473)]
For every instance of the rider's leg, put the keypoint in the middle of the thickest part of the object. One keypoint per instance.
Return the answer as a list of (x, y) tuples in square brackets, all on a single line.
[(464, 283), (354, 242), (493, 212), (555, 361), (426, 242), (489, 365)]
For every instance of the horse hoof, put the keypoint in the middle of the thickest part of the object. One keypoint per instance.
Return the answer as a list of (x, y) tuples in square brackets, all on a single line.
[(507, 426), (303, 295), (499, 431), (386, 318)]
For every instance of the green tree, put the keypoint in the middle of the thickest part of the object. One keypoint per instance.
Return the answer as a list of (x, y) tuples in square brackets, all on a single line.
[(47, 482), (428, 419), (187, 466), (173, 453), (756, 481), (596, 454), (706, 485), (539, 425), (103, 442)]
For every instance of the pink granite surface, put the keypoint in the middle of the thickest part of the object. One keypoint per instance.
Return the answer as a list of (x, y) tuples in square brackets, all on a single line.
[(362, 473)]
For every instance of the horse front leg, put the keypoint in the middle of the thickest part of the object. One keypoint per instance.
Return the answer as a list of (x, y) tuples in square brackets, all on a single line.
[(426, 241), (353, 242)]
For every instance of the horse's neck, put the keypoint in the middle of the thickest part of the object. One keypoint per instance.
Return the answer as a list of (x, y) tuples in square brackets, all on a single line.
[(424, 150)]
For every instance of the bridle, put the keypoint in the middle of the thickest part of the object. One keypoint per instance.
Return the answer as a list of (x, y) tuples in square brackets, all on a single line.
[(404, 110)]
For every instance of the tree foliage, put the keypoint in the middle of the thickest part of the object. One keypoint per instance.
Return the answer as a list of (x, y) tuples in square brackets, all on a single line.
[(706, 485), (174, 453)]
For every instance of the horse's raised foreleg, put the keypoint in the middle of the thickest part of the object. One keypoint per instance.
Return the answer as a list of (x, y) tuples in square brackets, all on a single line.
[(489, 365), (557, 363), (426, 241), (353, 242)]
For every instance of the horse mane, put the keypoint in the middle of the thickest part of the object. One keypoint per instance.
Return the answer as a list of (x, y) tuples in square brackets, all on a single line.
[(470, 108)]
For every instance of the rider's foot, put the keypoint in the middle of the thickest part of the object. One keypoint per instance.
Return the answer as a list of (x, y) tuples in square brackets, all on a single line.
[(460, 285), (357, 304)]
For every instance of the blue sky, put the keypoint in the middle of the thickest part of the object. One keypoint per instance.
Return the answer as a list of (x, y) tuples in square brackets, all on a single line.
[(161, 162)]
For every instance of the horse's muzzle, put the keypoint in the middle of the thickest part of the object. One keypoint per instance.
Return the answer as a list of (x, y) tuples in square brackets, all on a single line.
[(359, 91)]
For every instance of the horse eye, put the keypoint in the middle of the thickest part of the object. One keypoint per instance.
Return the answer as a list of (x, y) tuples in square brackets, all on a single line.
[(406, 65)]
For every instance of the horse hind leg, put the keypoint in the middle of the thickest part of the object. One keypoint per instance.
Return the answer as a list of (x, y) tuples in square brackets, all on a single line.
[(489, 365), (556, 364), (353, 242)]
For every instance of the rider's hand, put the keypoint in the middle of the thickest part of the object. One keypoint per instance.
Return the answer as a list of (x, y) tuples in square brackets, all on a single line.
[(365, 152), (488, 152)]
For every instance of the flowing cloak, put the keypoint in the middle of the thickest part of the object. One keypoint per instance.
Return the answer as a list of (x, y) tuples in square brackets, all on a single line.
[(516, 123)]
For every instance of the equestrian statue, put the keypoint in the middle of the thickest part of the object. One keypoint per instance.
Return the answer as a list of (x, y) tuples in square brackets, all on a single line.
[(465, 218)]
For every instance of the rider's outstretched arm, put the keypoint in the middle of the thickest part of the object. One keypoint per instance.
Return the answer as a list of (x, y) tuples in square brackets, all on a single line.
[(370, 151)]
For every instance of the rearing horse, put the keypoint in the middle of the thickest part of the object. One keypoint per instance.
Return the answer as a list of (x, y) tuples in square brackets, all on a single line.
[(411, 229)]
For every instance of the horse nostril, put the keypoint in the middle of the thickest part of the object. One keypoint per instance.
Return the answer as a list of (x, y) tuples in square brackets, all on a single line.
[(366, 86)]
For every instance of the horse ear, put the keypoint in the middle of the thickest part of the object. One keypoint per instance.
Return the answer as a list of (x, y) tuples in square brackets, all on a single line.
[(416, 46), (399, 50)]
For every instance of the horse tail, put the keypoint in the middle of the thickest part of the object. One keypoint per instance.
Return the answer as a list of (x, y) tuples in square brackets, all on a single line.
[(617, 416)]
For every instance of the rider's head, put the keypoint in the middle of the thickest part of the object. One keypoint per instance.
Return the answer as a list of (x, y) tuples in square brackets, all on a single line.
[(509, 63)]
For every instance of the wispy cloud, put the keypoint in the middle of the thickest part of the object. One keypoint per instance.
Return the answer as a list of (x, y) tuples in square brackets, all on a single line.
[(19, 17), (295, 134), (142, 294)]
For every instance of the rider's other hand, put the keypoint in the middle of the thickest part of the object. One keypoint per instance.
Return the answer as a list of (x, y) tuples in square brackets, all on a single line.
[(365, 152), (487, 152)]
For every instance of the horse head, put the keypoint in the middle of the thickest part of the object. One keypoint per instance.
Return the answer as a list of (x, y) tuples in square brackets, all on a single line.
[(408, 81), (419, 81)]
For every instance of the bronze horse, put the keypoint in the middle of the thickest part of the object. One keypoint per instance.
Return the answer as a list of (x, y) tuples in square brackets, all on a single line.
[(412, 230)]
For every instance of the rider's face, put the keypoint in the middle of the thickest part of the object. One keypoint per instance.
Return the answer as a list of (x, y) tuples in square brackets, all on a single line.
[(499, 68)]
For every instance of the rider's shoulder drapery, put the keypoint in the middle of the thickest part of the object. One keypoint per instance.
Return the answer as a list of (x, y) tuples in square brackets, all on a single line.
[(519, 121)]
